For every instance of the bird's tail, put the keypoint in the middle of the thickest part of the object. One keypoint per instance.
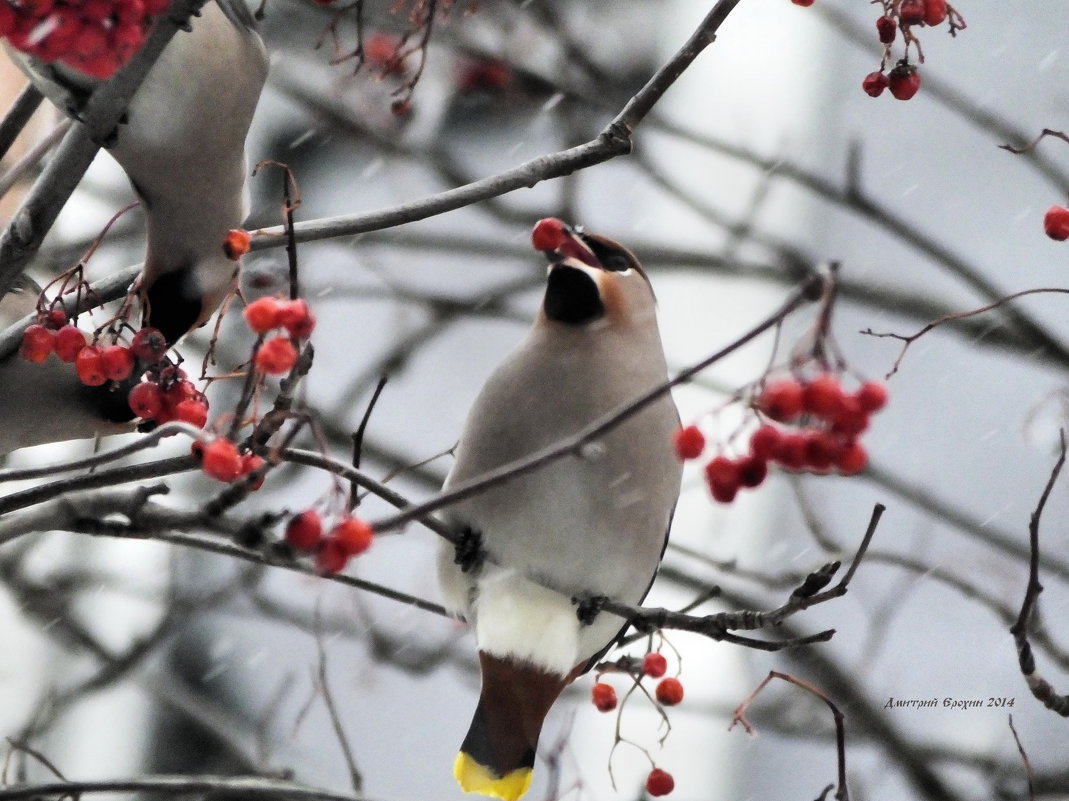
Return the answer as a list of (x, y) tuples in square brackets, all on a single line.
[(498, 754)]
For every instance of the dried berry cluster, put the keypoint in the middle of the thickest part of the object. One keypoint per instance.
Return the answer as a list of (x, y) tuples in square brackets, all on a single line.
[(669, 692), (95, 37), (904, 17), (349, 537), (821, 426)]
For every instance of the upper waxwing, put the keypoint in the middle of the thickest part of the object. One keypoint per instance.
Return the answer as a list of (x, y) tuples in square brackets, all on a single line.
[(42, 403), (582, 526), (183, 148)]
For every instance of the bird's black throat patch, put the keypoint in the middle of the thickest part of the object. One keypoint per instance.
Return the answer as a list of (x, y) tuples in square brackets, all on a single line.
[(572, 297)]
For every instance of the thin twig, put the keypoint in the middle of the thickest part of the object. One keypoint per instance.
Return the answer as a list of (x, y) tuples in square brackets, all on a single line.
[(1029, 775)]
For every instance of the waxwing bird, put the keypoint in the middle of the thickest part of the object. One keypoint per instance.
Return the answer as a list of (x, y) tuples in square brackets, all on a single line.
[(183, 149), (42, 403), (583, 526)]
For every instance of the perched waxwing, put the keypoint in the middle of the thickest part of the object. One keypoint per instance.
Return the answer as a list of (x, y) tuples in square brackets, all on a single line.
[(183, 148), (42, 403), (583, 526)]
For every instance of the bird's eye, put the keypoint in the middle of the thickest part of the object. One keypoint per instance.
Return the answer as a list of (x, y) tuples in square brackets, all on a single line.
[(616, 263), (612, 257)]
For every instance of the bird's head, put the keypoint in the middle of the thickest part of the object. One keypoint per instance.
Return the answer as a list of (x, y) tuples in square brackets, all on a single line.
[(592, 279)]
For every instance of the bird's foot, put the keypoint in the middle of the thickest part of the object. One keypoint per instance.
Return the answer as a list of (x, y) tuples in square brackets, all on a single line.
[(469, 552), (588, 608)]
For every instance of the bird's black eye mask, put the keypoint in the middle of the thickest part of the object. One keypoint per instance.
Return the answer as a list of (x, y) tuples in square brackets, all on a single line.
[(572, 297)]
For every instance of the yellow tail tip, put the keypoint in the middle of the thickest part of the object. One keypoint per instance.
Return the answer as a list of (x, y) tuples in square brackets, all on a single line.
[(475, 778)]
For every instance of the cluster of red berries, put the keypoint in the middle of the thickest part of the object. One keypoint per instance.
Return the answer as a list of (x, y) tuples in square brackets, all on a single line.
[(349, 537), (903, 80), (669, 692), (277, 355), (95, 37), (1056, 223), (167, 395), (827, 422)]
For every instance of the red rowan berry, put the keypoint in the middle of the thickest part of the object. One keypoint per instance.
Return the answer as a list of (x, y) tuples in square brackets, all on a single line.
[(117, 362), (871, 396), (874, 83), (149, 345), (851, 420), (236, 243), (669, 691), (56, 318), (69, 341), (90, 366), (37, 343), (935, 11), (1056, 223), (752, 471), (763, 441), (331, 556), (782, 400), (604, 697), (886, 29), (250, 463), (722, 470), (820, 450), (791, 451), (191, 410), (904, 81), (689, 442), (297, 318), (660, 782), (263, 314), (354, 535), (276, 356), (305, 530), (824, 397), (803, 3), (655, 665), (221, 460), (548, 234), (911, 12), (145, 400), (851, 458)]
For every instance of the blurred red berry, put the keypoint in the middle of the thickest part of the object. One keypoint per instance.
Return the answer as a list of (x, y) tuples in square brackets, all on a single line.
[(604, 697), (874, 83), (722, 470), (805, 4), (871, 396), (669, 691), (752, 471), (304, 530), (824, 397), (56, 318), (1056, 223), (935, 11), (763, 441), (297, 318), (911, 12), (820, 451), (851, 420), (886, 29), (782, 400), (689, 442), (250, 463), (791, 451), (276, 356), (236, 243), (263, 314), (191, 410), (37, 343), (660, 782), (331, 556), (221, 460), (149, 345), (354, 535), (851, 458), (655, 665)]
